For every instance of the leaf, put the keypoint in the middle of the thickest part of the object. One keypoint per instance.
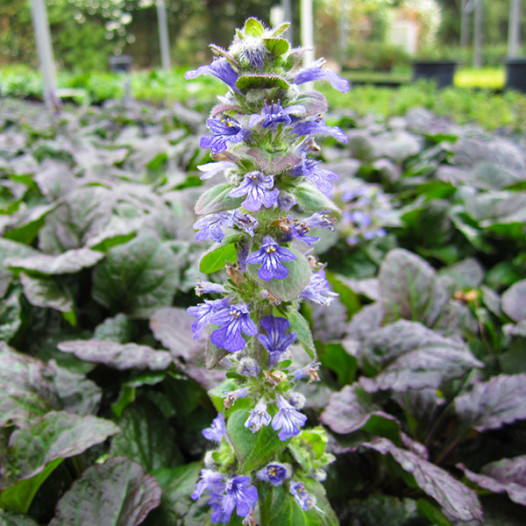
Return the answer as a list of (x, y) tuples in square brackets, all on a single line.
[(351, 409), (85, 214), (246, 83), (252, 449), (35, 452), (146, 437), (409, 289), (506, 475), (458, 502), (26, 391), (8, 518), (77, 394), (406, 355), (337, 359), (300, 326), (118, 356), (277, 46), (467, 274), (25, 225), (116, 329), (283, 508), (117, 493), (216, 258), (253, 27), (312, 200), (490, 405), (216, 199), (136, 278), (172, 326), (10, 316), (292, 285), (46, 292), (383, 509), (177, 486), (67, 263), (513, 301)]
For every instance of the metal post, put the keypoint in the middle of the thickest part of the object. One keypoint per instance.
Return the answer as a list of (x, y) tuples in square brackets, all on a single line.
[(287, 10), (514, 27), (307, 34), (477, 35), (344, 32), (163, 35), (464, 24), (45, 52)]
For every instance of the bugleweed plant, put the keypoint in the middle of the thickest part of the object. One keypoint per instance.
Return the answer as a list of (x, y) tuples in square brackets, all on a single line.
[(266, 467)]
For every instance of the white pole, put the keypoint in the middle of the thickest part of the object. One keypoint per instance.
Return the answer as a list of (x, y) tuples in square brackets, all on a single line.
[(163, 35), (464, 24), (45, 52), (514, 27), (477, 35), (307, 34), (344, 32), (287, 8)]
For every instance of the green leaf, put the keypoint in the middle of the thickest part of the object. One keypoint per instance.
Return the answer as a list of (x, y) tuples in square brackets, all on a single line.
[(117, 493), (300, 326), (177, 485), (277, 46), (312, 200), (10, 316), (290, 287), (284, 509), (253, 27), (215, 258), (252, 449), (216, 199), (8, 518), (69, 262), (19, 496), (43, 291), (26, 391), (333, 356), (246, 83), (136, 278), (146, 437), (348, 297)]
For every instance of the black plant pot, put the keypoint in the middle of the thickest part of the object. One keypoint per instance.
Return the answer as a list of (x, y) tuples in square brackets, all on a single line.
[(516, 74), (441, 71)]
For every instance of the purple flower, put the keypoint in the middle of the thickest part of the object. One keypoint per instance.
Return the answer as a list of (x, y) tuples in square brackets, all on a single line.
[(275, 114), (310, 372), (317, 126), (209, 480), (258, 417), (271, 254), (239, 495), (207, 287), (258, 188), (211, 226), (297, 400), (315, 72), (248, 367), (319, 177), (302, 496), (223, 131), (232, 321), (277, 342), (217, 430), (287, 419), (203, 312), (211, 169), (220, 68), (246, 222), (274, 473), (318, 290), (232, 397)]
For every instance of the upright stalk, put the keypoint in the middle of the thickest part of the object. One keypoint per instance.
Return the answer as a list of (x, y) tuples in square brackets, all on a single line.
[(263, 218)]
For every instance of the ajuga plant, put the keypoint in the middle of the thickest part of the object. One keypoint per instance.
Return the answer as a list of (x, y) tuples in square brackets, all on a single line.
[(267, 465)]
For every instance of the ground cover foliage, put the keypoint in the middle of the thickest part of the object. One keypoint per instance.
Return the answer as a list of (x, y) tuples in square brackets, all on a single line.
[(104, 391)]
